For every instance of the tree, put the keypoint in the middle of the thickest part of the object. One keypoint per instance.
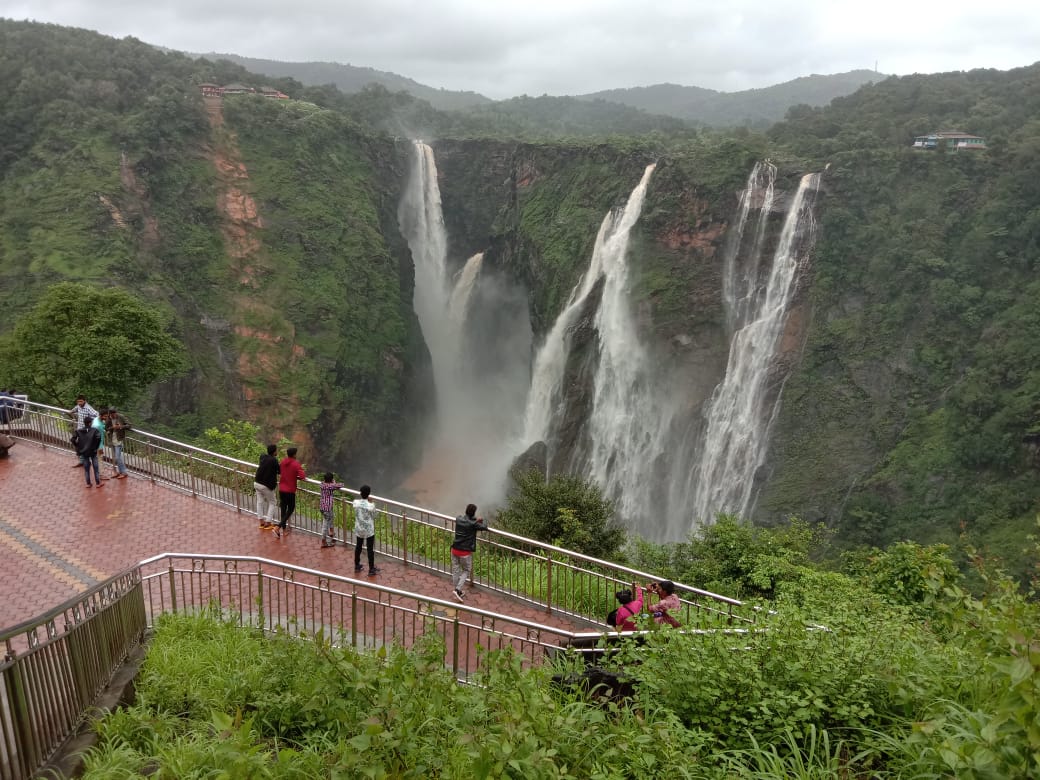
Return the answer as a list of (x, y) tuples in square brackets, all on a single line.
[(565, 511), (104, 343), (236, 439)]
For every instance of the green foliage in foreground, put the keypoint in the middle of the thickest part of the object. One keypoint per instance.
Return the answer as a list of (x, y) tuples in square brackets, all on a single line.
[(284, 708), (841, 681), (104, 343)]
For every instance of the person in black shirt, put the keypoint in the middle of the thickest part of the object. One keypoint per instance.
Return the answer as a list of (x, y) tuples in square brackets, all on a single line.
[(462, 547), (87, 444), (265, 482)]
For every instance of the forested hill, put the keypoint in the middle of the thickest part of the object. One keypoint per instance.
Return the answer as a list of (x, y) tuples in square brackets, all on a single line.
[(920, 380), (749, 108), (351, 78), (256, 224), (623, 110)]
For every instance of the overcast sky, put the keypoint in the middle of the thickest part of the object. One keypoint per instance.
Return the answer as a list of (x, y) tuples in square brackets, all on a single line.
[(565, 47)]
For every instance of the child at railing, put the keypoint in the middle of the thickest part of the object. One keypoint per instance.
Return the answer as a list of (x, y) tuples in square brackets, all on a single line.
[(328, 488)]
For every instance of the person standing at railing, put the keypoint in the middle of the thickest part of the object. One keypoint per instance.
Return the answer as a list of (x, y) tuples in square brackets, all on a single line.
[(462, 547), (80, 412), (264, 482), (118, 425), (101, 423), (88, 441), (327, 508), (5, 405), (291, 472), (623, 618), (365, 529)]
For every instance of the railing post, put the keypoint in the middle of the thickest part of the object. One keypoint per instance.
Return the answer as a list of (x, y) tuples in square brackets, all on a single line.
[(173, 587), (191, 473), (353, 617), (548, 584), (28, 749), (404, 537), (74, 641), (151, 461), (455, 646), (260, 595)]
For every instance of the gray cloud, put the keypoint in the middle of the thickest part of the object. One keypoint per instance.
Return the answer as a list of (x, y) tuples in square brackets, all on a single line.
[(576, 46)]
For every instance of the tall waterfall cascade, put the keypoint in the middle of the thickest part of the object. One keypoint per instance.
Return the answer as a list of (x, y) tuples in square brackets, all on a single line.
[(543, 401), (599, 394), (625, 430), (478, 334), (745, 402), (422, 224)]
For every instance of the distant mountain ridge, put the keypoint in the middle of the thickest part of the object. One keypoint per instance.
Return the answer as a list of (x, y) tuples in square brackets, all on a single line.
[(750, 107)]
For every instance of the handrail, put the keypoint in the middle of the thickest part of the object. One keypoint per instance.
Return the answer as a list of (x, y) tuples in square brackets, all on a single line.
[(49, 684), (554, 577)]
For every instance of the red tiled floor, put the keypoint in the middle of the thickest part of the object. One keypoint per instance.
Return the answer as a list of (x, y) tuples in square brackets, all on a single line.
[(59, 536)]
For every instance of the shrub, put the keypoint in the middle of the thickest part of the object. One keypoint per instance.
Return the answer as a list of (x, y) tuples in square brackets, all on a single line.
[(566, 511)]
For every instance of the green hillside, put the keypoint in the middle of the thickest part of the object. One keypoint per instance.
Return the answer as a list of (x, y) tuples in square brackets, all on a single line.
[(352, 78), (916, 406), (111, 173)]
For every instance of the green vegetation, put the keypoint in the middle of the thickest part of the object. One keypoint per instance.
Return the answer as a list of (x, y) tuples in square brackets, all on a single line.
[(926, 329), (565, 511), (103, 343), (911, 413), (841, 680), (111, 173)]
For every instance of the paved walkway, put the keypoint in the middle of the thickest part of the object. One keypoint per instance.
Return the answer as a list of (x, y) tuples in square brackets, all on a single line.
[(59, 537)]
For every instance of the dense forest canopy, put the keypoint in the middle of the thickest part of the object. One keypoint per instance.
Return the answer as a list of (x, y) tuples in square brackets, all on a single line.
[(926, 328)]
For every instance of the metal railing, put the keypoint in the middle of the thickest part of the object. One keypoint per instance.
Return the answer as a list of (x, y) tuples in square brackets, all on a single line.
[(557, 579), (56, 665)]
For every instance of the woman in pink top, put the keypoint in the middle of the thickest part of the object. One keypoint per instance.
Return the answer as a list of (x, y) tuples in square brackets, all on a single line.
[(623, 617), (668, 604)]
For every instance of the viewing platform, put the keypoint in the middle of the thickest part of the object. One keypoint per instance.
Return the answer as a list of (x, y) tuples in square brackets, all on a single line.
[(89, 570)]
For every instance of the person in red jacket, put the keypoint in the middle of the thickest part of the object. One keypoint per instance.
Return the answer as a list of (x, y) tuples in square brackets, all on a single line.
[(290, 473)]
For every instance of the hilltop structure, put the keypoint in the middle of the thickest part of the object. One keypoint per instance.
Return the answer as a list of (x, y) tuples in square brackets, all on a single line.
[(215, 90), (954, 140)]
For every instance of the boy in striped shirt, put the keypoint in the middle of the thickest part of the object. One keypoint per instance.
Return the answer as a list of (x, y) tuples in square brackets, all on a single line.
[(328, 488)]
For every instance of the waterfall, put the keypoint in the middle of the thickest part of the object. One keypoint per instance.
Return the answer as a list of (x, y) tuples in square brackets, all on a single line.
[(628, 425), (478, 333), (608, 257), (741, 286), (465, 280), (744, 404), (422, 225)]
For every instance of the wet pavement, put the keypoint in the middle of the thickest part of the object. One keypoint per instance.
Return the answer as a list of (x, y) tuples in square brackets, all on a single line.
[(59, 537)]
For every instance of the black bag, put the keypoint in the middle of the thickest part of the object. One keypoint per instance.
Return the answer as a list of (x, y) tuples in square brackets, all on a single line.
[(74, 440), (612, 617)]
